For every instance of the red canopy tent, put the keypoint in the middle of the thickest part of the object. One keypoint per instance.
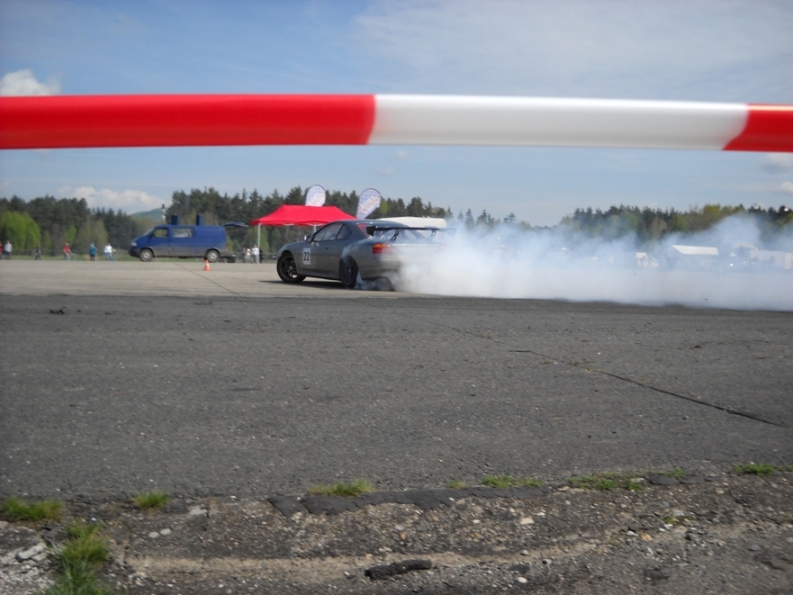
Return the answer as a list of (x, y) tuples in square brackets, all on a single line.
[(302, 215)]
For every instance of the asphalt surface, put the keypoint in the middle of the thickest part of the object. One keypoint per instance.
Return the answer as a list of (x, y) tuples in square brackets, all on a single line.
[(123, 377)]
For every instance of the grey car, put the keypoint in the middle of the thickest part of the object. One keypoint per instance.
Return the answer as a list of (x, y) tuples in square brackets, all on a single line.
[(348, 250)]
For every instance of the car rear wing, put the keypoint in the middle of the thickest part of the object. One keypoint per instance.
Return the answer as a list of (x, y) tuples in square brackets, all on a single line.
[(373, 229)]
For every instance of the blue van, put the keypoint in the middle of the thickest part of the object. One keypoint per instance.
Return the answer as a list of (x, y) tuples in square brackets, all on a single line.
[(182, 241)]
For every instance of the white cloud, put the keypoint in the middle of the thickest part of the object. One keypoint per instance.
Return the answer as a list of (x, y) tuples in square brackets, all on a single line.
[(23, 82), (786, 187), (609, 48), (777, 162), (131, 201)]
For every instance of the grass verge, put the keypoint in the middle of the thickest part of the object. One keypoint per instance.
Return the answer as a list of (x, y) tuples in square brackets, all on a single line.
[(354, 488), (151, 500), (17, 509), (507, 481)]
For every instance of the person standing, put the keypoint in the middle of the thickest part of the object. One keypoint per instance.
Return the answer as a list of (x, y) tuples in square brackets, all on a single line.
[(92, 251), (37, 253), (67, 252), (108, 252), (7, 249), (255, 254)]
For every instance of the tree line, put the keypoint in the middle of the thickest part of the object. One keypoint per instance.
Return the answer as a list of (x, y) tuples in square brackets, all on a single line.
[(647, 226), (50, 223)]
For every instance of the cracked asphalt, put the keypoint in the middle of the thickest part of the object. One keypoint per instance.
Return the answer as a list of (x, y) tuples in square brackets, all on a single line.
[(235, 384)]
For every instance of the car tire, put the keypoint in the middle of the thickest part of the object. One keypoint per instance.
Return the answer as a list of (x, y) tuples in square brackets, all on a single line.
[(146, 255), (287, 269), (348, 272), (213, 256)]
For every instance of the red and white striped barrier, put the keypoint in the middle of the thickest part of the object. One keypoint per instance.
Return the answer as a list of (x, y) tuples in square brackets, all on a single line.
[(186, 120)]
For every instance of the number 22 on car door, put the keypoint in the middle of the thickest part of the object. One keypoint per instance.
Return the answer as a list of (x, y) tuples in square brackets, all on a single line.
[(306, 257)]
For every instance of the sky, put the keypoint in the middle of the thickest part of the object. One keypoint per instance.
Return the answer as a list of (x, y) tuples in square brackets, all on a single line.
[(693, 50)]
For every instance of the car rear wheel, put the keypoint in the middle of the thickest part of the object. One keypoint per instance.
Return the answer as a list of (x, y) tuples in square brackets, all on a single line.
[(287, 269), (213, 256), (146, 255), (348, 272)]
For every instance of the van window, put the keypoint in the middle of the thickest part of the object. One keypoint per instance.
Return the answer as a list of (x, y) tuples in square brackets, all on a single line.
[(182, 232), (160, 232)]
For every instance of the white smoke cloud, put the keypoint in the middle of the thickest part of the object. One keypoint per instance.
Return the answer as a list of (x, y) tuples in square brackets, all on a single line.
[(130, 201), (23, 82), (560, 264)]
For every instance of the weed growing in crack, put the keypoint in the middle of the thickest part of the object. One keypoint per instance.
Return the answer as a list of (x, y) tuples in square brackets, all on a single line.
[(604, 482), (354, 488), (151, 500), (504, 481), (83, 554), (753, 469), (18, 510)]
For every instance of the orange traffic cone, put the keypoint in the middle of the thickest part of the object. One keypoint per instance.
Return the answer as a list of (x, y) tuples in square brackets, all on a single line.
[(206, 265)]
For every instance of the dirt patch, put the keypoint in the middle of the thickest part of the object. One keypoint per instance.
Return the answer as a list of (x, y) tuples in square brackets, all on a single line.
[(729, 534)]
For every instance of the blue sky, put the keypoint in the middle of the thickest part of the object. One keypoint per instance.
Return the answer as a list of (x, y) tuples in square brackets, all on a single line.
[(700, 50)]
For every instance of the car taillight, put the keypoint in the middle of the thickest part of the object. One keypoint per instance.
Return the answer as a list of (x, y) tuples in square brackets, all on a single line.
[(381, 249)]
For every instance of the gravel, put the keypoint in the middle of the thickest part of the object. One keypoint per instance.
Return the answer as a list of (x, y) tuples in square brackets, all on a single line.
[(733, 534)]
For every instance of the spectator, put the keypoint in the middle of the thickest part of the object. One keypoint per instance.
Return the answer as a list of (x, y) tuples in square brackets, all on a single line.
[(7, 249), (37, 253), (92, 251), (255, 254), (108, 252), (67, 252)]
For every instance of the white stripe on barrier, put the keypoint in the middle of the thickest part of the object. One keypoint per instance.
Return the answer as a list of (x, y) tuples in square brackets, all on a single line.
[(449, 120)]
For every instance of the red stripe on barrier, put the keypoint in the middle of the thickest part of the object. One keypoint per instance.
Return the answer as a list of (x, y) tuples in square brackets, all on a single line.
[(184, 120), (768, 128)]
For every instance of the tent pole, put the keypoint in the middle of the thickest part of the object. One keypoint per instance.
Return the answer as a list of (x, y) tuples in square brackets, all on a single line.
[(259, 242)]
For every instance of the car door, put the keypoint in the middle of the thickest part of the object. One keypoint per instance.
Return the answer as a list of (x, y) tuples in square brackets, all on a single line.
[(332, 253), (322, 245)]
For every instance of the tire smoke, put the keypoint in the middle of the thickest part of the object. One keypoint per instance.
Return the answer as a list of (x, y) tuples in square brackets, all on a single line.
[(735, 264)]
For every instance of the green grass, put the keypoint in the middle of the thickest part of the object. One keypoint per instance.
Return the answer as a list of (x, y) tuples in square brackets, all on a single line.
[(752, 469), (677, 473), (675, 520), (506, 481), (79, 559), (354, 488), (84, 544), (151, 500), (18, 510), (456, 484), (604, 482)]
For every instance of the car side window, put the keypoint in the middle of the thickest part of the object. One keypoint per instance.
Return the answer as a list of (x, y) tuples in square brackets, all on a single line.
[(344, 233), (160, 232), (327, 233)]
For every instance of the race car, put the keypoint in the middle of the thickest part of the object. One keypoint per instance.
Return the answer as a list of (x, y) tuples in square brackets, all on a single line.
[(356, 251)]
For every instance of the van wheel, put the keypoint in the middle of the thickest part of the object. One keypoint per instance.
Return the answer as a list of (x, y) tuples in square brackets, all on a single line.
[(213, 256), (146, 255)]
